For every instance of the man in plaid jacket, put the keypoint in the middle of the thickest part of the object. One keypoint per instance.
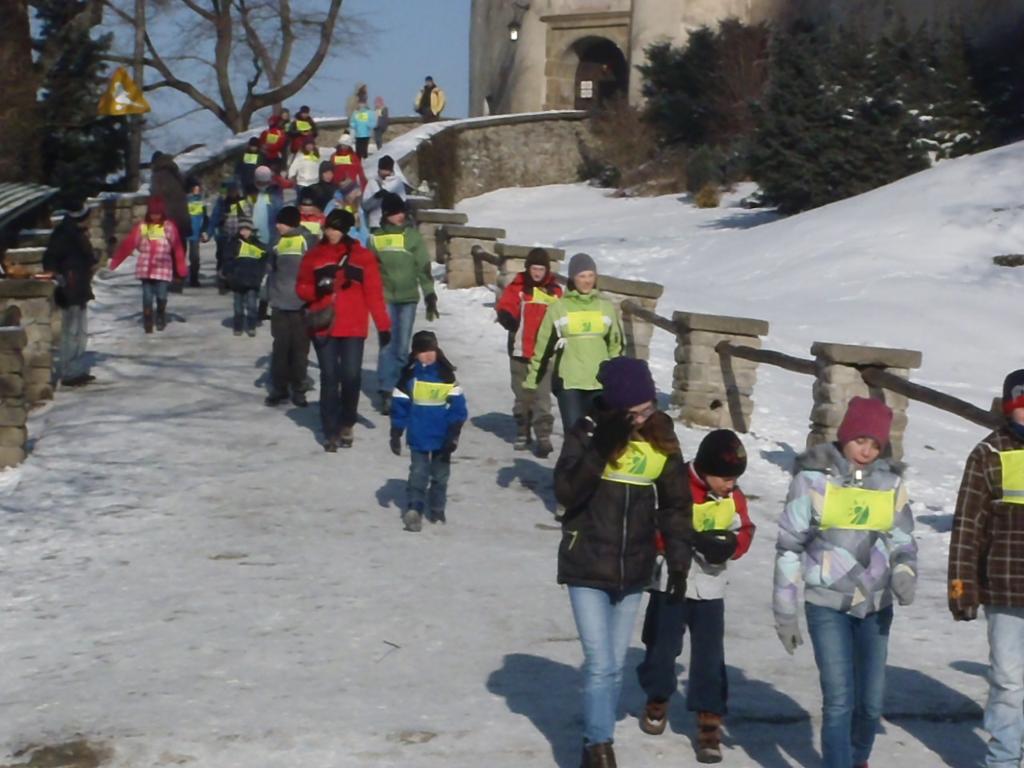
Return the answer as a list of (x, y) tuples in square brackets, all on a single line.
[(986, 567)]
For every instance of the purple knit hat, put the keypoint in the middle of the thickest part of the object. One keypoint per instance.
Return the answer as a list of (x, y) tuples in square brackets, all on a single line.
[(627, 382)]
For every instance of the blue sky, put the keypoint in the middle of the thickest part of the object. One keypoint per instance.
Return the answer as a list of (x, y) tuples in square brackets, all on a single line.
[(413, 38)]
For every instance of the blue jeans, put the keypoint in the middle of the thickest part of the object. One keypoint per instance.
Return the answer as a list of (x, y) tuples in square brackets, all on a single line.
[(395, 355), (431, 469), (154, 289), (246, 303), (665, 624), (1004, 718), (605, 623), (850, 654), (74, 334), (573, 405), (341, 370)]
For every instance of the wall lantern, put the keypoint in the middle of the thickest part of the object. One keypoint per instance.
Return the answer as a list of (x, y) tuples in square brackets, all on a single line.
[(516, 25), (513, 31)]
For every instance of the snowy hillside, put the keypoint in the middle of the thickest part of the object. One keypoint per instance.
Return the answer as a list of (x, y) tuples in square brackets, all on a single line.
[(189, 579)]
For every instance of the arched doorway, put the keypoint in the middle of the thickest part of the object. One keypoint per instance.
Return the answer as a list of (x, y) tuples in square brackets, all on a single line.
[(602, 72)]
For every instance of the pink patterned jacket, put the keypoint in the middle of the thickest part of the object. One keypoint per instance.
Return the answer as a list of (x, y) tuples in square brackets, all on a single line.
[(160, 251)]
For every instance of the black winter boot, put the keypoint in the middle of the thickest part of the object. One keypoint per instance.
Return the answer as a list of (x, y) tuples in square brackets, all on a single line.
[(147, 320), (161, 314), (598, 756)]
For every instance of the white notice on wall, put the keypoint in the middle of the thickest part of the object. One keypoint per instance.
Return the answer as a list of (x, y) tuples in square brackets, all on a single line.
[(586, 89)]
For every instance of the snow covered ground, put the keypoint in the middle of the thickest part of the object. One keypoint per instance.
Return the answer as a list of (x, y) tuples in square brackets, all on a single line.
[(189, 579)]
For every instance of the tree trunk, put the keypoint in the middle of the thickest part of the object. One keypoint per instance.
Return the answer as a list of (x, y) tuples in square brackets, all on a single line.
[(22, 138)]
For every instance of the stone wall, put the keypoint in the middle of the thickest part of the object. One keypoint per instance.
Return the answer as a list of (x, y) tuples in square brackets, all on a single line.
[(637, 331), (462, 268), (838, 379), (40, 320), (13, 404), (112, 219)]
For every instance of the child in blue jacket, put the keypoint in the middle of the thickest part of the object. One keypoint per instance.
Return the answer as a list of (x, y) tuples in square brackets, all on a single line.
[(429, 403)]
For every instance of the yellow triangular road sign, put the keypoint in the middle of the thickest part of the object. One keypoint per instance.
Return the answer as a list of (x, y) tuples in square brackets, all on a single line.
[(123, 96)]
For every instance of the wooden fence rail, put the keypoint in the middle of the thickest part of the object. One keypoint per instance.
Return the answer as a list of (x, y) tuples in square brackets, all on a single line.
[(769, 356)]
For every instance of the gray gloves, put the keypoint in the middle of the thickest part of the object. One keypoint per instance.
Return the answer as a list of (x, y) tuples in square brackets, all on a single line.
[(789, 635), (904, 583)]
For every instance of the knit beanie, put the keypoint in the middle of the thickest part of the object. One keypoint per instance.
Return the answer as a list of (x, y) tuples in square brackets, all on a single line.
[(326, 166), (581, 262), (245, 221), (866, 417), (262, 175), (345, 140), (626, 382), (721, 454), (254, 141), (340, 219), (424, 341), (77, 210), (1013, 391), (390, 204), (386, 163), (289, 216), (538, 257)]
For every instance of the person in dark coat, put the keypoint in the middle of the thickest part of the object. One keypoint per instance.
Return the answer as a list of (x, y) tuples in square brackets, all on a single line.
[(621, 478), (70, 259), (167, 183)]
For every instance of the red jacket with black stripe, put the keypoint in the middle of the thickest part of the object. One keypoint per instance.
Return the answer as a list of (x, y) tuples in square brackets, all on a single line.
[(520, 312)]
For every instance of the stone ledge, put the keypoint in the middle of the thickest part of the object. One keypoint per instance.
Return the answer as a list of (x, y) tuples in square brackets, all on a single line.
[(737, 326), (25, 289), (522, 251), (440, 216), (852, 354), (419, 202), (10, 457), (481, 233), (13, 337), (641, 288)]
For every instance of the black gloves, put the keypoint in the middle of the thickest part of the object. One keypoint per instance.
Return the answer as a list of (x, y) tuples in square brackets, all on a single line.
[(508, 322), (431, 301), (451, 442), (396, 441), (353, 274), (325, 279), (612, 433), (716, 546), (383, 338), (676, 590)]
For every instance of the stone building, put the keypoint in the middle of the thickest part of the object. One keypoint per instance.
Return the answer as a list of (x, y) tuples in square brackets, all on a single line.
[(530, 55)]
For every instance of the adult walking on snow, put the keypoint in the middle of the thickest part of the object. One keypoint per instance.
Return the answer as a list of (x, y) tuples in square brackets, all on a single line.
[(340, 283), (405, 272), (846, 533), (167, 183), (579, 332), (389, 178), (160, 255), (383, 121), (70, 259), (521, 310), (986, 567), (621, 477), (429, 102)]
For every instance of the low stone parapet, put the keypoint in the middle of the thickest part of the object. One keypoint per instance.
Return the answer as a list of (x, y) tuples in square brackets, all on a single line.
[(13, 404), (23, 261), (838, 379), (714, 390), (462, 269), (637, 330), (513, 260), (428, 220), (41, 321)]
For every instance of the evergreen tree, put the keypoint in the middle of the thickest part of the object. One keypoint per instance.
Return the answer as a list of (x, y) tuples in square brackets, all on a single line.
[(959, 114), (80, 150)]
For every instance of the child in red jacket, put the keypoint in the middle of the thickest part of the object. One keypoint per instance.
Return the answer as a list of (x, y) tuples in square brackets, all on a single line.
[(722, 531), (521, 309)]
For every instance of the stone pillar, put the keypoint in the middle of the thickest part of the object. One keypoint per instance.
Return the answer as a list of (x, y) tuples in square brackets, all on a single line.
[(838, 379), (13, 406), (637, 331), (513, 260), (41, 321), (23, 261), (712, 390), (463, 271), (429, 220)]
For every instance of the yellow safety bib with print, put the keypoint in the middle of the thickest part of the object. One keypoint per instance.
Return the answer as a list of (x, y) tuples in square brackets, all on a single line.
[(273, 138), (858, 509), (303, 127), (250, 251), (1013, 476), (153, 231), (431, 392), (311, 156), (291, 245), (196, 208), (315, 227), (640, 464), (343, 159), (393, 242), (237, 209), (715, 515), (363, 116), (540, 297), (585, 323), (250, 158)]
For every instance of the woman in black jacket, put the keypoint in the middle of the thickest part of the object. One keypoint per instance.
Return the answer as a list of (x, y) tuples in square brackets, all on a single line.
[(620, 477)]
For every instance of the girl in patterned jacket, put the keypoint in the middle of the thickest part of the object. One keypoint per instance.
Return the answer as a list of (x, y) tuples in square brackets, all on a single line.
[(161, 256), (846, 532)]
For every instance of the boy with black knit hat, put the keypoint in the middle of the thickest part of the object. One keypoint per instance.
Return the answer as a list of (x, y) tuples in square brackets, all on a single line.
[(244, 268), (290, 353), (722, 531), (986, 567), (521, 309), (429, 406)]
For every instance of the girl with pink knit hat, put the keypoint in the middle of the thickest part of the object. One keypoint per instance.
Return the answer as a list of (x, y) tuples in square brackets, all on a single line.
[(846, 533)]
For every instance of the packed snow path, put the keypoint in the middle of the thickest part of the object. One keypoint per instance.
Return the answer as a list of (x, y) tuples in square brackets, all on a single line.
[(189, 579)]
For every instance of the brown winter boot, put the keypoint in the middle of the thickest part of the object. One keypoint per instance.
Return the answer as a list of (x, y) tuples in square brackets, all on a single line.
[(653, 719), (709, 737), (598, 756), (147, 320), (161, 314)]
